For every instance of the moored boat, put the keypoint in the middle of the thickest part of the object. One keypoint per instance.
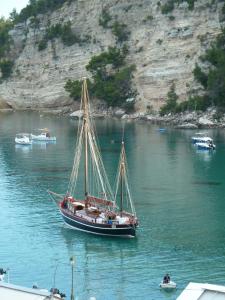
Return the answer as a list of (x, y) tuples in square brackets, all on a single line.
[(44, 136), (167, 284), (206, 146), (23, 139), (96, 210), (161, 129), (200, 137)]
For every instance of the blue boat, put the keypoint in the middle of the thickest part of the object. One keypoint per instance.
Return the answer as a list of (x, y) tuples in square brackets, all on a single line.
[(161, 129)]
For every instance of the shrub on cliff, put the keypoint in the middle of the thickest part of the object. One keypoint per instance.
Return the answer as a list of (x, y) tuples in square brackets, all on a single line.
[(167, 7), (59, 31), (212, 77), (116, 89), (171, 102), (112, 80), (68, 37), (6, 68), (36, 7), (104, 19), (170, 5), (194, 103), (5, 26), (114, 57), (120, 31), (73, 87)]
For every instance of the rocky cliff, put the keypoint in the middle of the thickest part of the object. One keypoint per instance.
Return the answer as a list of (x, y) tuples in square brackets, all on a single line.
[(164, 48)]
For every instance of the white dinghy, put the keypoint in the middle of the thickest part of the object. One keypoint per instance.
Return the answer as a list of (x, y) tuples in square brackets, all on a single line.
[(168, 286), (23, 139)]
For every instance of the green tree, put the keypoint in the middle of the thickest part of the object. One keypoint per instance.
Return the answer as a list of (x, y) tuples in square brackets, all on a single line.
[(64, 32), (67, 36), (112, 80), (116, 89), (120, 31), (73, 87), (6, 68), (42, 44), (98, 64), (167, 7), (170, 4), (212, 79), (200, 76), (36, 7), (5, 41), (171, 102), (104, 19), (13, 16)]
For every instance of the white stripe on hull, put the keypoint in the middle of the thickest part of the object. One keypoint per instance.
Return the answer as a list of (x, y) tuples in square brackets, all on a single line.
[(99, 228), (119, 235)]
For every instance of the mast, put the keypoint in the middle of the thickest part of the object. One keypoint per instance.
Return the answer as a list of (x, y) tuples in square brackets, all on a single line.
[(122, 189), (122, 178), (85, 136), (87, 148)]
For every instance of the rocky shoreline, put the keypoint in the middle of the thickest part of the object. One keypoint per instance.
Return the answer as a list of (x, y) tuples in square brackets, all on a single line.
[(186, 120)]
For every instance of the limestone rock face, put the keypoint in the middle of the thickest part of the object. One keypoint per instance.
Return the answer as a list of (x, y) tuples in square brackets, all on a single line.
[(187, 126), (205, 122), (164, 49), (77, 114), (119, 112), (4, 104)]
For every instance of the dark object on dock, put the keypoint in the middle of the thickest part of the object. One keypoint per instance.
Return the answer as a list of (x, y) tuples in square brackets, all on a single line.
[(56, 291)]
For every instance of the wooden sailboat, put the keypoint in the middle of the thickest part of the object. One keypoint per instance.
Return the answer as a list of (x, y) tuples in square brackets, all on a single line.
[(96, 211)]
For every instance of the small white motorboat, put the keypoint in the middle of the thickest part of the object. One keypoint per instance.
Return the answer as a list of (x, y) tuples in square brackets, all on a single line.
[(171, 285), (206, 146), (200, 137), (23, 139), (43, 136), (167, 284)]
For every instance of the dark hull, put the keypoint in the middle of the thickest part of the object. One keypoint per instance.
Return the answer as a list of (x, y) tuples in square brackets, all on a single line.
[(77, 223), (202, 147)]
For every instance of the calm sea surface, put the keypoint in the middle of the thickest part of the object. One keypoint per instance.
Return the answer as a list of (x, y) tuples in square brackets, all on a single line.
[(179, 195)]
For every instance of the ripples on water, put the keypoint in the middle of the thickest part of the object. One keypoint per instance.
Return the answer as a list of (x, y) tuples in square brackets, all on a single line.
[(179, 197)]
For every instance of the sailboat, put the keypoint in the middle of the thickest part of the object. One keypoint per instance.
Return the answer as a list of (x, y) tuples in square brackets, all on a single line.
[(95, 209)]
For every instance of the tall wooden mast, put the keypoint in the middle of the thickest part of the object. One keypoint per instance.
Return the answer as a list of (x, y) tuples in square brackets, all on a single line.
[(85, 100), (122, 169)]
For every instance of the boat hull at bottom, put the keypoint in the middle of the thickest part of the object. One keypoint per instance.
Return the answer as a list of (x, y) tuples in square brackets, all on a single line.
[(99, 229), (168, 286)]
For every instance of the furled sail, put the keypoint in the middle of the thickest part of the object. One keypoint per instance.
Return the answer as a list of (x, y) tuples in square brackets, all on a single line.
[(96, 183), (122, 189)]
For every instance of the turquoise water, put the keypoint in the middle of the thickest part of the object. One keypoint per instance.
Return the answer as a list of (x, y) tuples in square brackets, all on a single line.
[(179, 199)]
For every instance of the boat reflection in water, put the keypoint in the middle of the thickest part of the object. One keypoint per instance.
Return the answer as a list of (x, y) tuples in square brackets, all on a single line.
[(205, 155), (43, 144), (23, 148)]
